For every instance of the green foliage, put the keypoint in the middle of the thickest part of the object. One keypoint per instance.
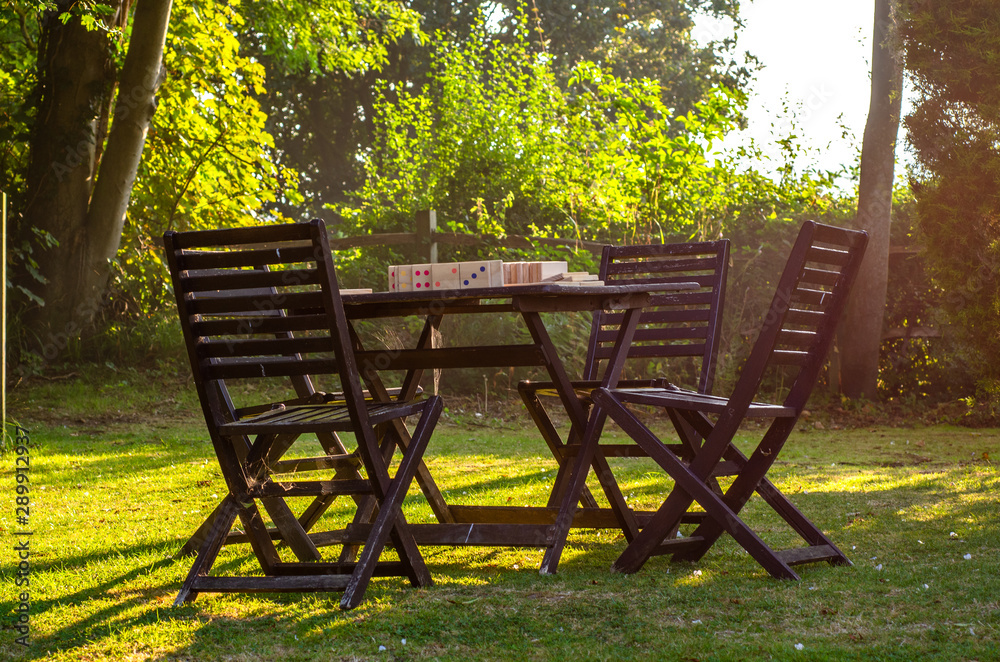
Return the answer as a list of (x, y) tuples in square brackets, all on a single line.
[(19, 35), (643, 39), (497, 146), (321, 118), (208, 160), (330, 36), (954, 131)]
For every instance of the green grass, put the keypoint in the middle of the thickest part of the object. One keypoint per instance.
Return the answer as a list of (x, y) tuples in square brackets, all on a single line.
[(121, 475)]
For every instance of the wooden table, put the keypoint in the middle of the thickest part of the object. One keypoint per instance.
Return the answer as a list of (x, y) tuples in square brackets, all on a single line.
[(497, 525)]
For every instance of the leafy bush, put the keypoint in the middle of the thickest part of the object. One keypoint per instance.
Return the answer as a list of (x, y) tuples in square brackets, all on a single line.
[(496, 146)]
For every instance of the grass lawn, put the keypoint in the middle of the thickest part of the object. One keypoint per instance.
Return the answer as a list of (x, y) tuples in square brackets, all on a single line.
[(121, 474)]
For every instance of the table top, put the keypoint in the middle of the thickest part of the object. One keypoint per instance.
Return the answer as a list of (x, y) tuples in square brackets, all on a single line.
[(510, 291), (516, 298)]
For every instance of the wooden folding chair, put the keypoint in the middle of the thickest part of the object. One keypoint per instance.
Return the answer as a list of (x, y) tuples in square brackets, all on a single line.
[(675, 326), (796, 335), (274, 314)]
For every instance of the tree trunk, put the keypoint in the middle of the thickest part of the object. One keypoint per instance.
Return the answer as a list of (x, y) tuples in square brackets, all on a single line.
[(861, 331), (76, 78), (78, 188), (141, 77)]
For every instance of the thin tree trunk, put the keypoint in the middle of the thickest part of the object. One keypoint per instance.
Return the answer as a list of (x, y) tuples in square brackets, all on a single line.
[(141, 77), (74, 196), (861, 331)]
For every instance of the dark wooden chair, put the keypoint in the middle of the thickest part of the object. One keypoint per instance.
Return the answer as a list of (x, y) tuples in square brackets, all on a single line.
[(259, 306), (796, 335), (674, 327)]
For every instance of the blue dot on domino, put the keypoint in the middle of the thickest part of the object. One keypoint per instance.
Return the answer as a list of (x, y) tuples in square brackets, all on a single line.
[(465, 282), (482, 268)]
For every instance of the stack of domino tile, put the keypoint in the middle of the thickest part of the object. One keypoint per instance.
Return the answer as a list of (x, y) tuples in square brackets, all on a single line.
[(519, 273), (489, 273), (445, 276)]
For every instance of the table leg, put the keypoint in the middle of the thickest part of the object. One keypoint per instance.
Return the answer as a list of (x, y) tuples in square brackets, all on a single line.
[(572, 479), (578, 413)]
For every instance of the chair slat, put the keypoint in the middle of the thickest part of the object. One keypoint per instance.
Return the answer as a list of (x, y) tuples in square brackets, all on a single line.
[(796, 338), (264, 347), (827, 255), (843, 239), (671, 302), (252, 278), (789, 357), (673, 316), (663, 317), (247, 258), (649, 251), (800, 317), (298, 301), (820, 277), (663, 266), (703, 280), (258, 368), (658, 334), (227, 237), (810, 297), (661, 351), (255, 324)]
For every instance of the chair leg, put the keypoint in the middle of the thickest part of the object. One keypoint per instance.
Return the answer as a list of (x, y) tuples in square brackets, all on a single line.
[(291, 529), (752, 477), (571, 497), (197, 538), (689, 488), (221, 521), (368, 506), (390, 522), (260, 539)]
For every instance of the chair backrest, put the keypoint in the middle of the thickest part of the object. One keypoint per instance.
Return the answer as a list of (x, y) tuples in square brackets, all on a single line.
[(801, 322), (258, 303), (675, 324)]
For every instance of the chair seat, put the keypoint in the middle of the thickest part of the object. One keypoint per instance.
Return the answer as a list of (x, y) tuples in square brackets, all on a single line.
[(316, 398), (584, 387), (675, 398), (317, 418)]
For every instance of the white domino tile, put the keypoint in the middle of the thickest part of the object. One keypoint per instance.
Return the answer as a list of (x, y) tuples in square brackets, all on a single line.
[(422, 277), (474, 275), (445, 276)]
